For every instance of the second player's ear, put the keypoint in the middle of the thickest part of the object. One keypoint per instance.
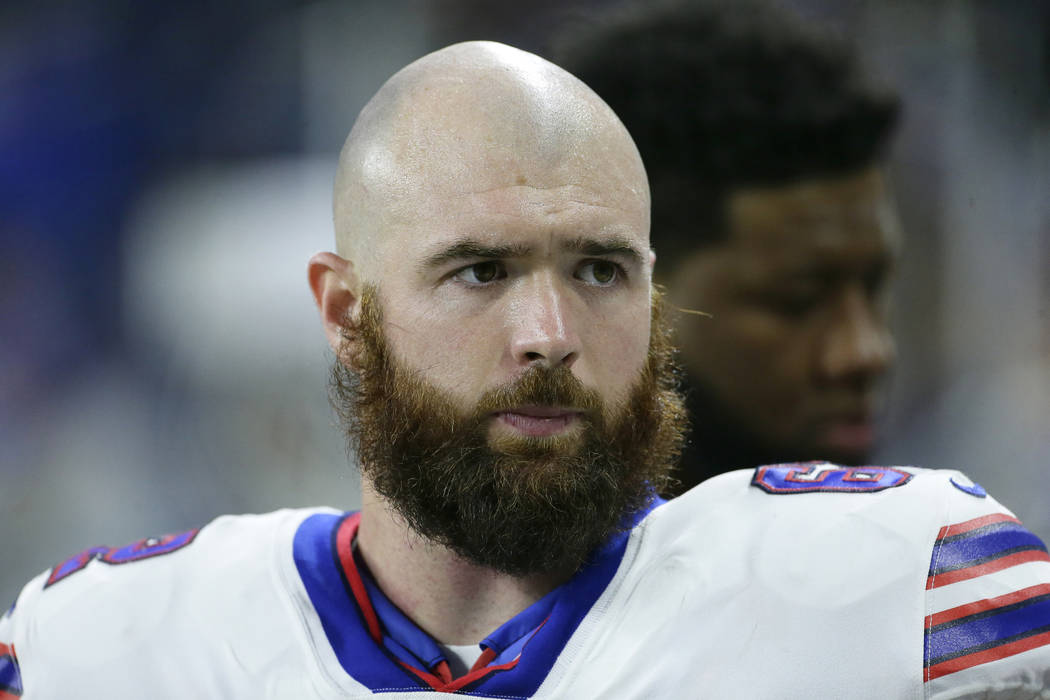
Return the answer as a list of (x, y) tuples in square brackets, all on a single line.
[(336, 291)]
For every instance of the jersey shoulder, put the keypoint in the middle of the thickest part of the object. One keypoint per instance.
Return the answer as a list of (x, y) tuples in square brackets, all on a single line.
[(133, 604), (823, 488), (930, 509), (971, 579), (228, 543)]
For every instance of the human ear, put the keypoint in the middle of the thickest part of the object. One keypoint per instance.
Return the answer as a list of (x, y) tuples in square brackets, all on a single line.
[(657, 274), (335, 287)]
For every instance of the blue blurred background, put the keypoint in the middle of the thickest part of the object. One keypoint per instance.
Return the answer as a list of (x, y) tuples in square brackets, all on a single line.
[(165, 172)]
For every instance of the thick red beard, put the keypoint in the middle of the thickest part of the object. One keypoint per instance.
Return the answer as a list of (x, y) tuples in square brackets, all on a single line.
[(517, 505)]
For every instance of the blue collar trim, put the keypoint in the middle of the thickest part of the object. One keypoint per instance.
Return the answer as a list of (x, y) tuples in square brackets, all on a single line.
[(552, 620), (414, 646)]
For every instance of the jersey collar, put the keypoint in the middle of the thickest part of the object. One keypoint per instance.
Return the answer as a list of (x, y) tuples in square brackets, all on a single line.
[(383, 649)]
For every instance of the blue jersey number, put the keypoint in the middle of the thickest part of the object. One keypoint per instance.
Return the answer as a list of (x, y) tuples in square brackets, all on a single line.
[(143, 549), (822, 476)]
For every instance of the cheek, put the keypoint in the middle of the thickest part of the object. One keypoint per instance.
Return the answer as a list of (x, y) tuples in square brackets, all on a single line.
[(751, 355), (452, 353), (758, 372), (619, 348)]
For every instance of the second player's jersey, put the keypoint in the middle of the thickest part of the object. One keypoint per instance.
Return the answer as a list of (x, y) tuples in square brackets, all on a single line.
[(793, 581)]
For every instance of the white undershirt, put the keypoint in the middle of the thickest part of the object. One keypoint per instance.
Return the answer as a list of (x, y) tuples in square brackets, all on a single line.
[(460, 657)]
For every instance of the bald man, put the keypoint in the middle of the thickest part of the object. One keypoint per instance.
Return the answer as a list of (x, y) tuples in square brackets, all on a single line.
[(503, 375)]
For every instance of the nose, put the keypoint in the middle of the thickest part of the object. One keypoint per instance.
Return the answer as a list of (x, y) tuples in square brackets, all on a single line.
[(858, 345), (543, 331)]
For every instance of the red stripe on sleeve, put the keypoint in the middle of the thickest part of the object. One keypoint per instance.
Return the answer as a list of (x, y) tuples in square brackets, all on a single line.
[(986, 656), (986, 604), (960, 528), (989, 567)]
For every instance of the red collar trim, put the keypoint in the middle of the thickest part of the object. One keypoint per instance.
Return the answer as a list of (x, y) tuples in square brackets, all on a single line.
[(441, 680)]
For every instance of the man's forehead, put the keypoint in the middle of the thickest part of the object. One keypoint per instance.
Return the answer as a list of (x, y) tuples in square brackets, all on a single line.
[(817, 215), (815, 252), (608, 241), (481, 128), (820, 229), (483, 105), (472, 153)]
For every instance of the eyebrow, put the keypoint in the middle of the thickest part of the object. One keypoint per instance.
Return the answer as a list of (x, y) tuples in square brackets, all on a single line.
[(834, 265), (472, 249), (610, 245), (468, 248)]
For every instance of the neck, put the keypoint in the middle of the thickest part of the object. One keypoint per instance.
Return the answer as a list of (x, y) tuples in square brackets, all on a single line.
[(454, 600)]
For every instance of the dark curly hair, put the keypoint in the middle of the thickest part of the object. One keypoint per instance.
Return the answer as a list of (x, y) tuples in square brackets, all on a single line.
[(720, 95)]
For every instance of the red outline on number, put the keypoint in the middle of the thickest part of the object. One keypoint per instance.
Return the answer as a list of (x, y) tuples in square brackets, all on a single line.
[(81, 559), (816, 485), (104, 554), (139, 550)]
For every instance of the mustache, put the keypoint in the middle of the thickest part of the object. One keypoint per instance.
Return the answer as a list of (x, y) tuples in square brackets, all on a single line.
[(541, 385)]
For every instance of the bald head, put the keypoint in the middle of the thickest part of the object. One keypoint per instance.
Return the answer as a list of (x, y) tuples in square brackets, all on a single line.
[(472, 118)]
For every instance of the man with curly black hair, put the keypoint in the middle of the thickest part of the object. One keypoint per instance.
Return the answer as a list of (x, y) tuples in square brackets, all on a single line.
[(765, 145)]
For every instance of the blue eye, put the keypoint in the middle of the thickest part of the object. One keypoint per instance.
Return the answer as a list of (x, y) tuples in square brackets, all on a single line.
[(482, 273)]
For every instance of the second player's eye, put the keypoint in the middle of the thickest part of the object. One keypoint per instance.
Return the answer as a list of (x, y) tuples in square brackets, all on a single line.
[(600, 273), (482, 272)]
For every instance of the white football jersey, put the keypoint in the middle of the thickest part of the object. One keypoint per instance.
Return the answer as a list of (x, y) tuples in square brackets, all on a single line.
[(789, 581)]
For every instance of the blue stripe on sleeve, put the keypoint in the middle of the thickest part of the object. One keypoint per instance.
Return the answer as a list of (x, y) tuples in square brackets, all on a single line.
[(983, 544), (988, 629), (10, 676)]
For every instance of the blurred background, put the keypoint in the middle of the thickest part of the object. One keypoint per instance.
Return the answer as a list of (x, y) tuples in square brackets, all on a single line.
[(165, 173)]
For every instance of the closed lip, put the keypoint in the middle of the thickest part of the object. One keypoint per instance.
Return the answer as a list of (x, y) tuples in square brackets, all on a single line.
[(539, 421), (851, 432), (541, 411)]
